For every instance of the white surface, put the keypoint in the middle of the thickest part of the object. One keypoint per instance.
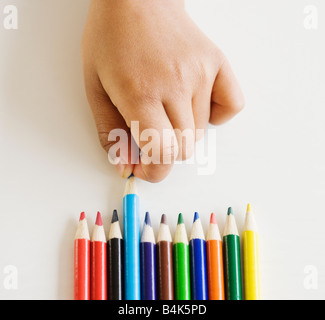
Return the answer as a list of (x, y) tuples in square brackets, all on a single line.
[(271, 155)]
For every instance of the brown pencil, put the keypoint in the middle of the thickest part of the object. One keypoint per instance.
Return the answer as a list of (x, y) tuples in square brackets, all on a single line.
[(165, 261)]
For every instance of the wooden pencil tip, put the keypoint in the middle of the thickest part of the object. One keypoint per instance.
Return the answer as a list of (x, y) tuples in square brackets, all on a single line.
[(82, 216), (230, 211), (147, 219), (130, 186), (163, 219), (99, 221), (115, 216), (180, 219), (213, 218)]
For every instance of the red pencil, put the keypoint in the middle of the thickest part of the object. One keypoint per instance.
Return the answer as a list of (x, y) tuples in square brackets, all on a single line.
[(82, 260), (98, 280)]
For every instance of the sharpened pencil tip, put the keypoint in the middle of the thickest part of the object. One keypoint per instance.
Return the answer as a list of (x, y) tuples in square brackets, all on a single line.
[(82, 216), (163, 219), (180, 219), (130, 186), (249, 209), (213, 218), (147, 219), (230, 211), (99, 221), (196, 216), (115, 216)]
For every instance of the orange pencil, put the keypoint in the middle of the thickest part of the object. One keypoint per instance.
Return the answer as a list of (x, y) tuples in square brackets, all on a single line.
[(216, 290), (82, 260), (98, 280)]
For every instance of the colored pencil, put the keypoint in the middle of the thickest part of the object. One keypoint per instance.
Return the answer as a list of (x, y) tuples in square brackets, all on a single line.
[(82, 260), (165, 261), (216, 290), (115, 253), (181, 262), (199, 288), (98, 278), (231, 251), (251, 257), (148, 261), (131, 235)]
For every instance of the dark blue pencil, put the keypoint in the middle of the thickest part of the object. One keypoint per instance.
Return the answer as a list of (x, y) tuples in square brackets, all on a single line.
[(148, 261), (198, 267)]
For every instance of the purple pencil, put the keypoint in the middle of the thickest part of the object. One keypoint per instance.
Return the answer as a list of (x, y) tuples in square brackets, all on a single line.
[(148, 261)]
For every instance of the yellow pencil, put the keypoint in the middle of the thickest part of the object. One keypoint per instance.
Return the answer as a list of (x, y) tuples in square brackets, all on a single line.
[(251, 258)]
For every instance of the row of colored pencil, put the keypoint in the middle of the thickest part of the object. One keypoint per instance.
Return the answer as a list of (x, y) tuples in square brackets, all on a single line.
[(133, 267), (183, 270)]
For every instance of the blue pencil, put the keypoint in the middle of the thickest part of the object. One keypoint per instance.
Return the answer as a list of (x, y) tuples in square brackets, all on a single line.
[(198, 267), (131, 235), (148, 261)]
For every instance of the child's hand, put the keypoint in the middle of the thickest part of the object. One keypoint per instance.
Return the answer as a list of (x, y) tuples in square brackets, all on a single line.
[(146, 61)]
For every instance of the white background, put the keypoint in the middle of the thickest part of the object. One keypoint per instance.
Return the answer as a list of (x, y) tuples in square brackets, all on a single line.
[(272, 155)]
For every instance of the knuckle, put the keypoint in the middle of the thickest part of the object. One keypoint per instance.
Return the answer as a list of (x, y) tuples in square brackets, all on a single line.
[(140, 91), (141, 97), (169, 153), (171, 150), (201, 73), (187, 151), (179, 75), (179, 72), (186, 143)]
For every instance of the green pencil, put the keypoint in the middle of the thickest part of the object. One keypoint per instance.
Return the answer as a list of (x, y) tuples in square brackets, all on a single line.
[(181, 262), (231, 250)]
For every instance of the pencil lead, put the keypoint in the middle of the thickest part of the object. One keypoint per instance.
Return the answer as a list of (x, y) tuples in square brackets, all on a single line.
[(213, 218), (99, 221), (115, 216), (249, 209), (82, 216), (180, 219), (196, 216), (230, 211), (163, 219), (130, 186), (147, 219)]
